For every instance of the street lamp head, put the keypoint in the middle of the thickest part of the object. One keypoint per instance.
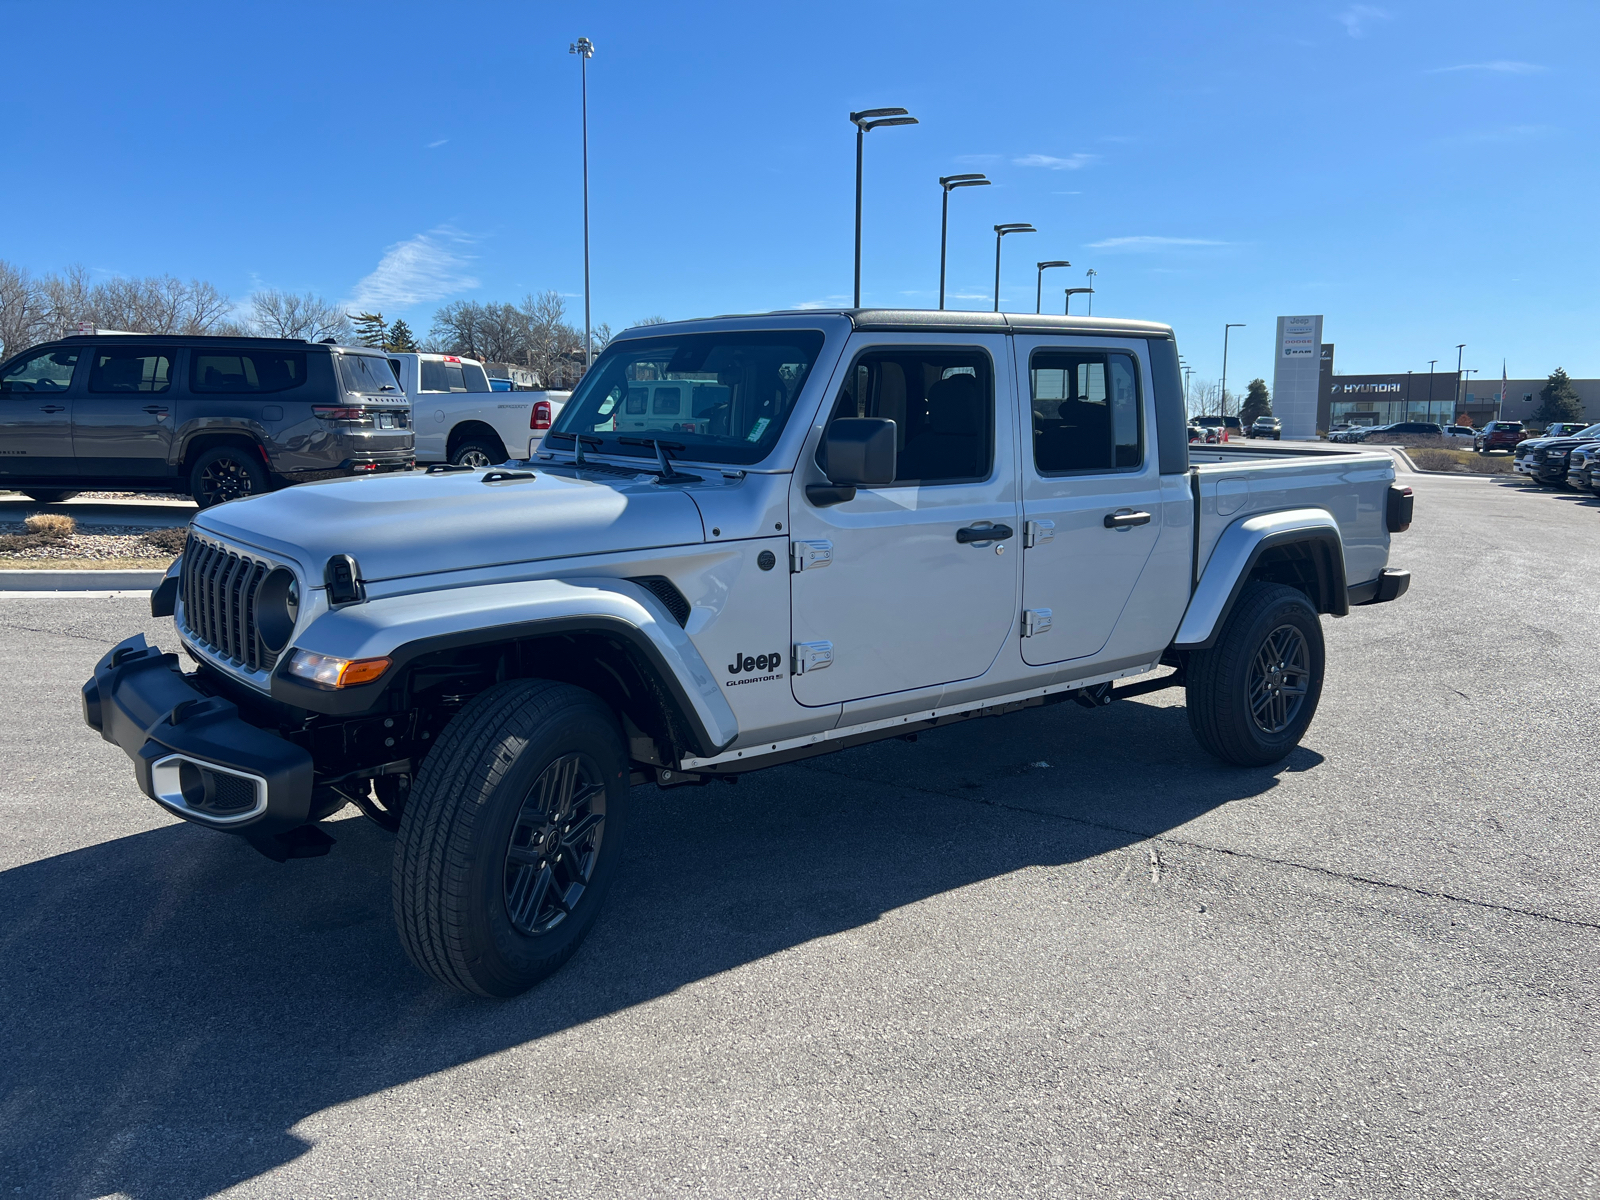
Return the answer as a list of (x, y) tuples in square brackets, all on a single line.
[(869, 126), (954, 181), (870, 119), (1015, 227), (582, 46), (1078, 291), (868, 114), (1055, 262)]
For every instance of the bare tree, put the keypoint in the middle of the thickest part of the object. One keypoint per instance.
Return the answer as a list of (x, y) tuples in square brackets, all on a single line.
[(22, 310), (650, 321), (308, 316), (555, 348)]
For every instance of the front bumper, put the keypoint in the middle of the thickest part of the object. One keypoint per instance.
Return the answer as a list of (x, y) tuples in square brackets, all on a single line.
[(193, 754)]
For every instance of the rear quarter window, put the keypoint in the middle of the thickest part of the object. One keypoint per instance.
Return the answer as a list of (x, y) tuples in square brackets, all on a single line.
[(246, 372)]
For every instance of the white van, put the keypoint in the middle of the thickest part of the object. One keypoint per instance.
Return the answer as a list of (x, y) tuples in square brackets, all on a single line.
[(459, 419)]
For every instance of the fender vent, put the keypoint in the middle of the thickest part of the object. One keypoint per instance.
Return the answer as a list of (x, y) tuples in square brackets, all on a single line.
[(665, 591)]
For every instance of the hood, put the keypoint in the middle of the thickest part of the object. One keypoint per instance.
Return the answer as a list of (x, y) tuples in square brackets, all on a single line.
[(417, 524)]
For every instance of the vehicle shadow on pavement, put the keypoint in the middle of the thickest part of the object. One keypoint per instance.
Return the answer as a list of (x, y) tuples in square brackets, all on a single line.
[(173, 1004)]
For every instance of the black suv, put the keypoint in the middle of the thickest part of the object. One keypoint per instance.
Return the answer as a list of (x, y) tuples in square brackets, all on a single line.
[(217, 417)]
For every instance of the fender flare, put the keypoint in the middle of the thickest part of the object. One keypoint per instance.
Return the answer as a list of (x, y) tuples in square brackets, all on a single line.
[(1237, 552), (405, 627)]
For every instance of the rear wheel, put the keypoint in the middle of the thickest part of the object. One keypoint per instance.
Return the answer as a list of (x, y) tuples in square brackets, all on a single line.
[(48, 495), (477, 452), (226, 473), (1252, 695), (511, 836)]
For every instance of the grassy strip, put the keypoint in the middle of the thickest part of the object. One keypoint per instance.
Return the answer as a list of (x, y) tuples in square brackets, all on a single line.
[(1461, 462)]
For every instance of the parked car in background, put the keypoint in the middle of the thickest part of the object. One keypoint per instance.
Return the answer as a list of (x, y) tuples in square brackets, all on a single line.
[(461, 418), (1499, 435), (1564, 428), (1405, 429), (1460, 431), (499, 385), (1225, 427), (1352, 433), (216, 417), (1544, 459), (1268, 427), (1583, 468)]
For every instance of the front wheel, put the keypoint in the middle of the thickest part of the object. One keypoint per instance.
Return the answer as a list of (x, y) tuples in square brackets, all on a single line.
[(226, 473), (477, 453), (48, 495), (1252, 695), (511, 836)]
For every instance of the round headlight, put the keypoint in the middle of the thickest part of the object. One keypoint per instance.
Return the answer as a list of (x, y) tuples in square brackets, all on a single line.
[(277, 608)]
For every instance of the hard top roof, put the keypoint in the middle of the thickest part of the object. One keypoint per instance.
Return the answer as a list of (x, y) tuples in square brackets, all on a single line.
[(923, 320), (202, 340)]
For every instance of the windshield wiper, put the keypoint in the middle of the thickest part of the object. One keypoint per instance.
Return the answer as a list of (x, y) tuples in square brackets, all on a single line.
[(668, 473), (578, 439)]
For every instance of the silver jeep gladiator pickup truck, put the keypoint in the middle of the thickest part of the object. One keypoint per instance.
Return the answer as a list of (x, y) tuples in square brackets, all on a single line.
[(746, 541)]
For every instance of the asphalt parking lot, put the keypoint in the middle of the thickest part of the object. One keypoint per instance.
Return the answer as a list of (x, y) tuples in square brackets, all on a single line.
[(1059, 954)]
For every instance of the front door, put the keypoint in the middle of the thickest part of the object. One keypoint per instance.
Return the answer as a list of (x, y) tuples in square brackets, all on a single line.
[(1091, 489), (36, 415), (122, 421), (892, 595)]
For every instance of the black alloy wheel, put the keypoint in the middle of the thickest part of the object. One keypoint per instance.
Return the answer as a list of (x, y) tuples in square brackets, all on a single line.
[(226, 473), (1278, 679), (555, 844)]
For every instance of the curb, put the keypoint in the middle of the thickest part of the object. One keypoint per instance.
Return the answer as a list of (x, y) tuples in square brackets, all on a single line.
[(79, 581), (1448, 474)]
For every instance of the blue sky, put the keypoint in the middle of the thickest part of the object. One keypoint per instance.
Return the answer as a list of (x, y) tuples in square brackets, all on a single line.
[(1422, 174)]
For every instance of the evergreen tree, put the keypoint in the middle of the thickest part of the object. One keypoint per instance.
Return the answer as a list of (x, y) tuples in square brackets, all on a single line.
[(1558, 400), (370, 329), (400, 337), (1257, 402)]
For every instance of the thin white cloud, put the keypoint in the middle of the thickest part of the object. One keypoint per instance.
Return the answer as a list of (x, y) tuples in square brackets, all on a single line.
[(825, 302), (1073, 162), (1066, 193), (436, 145), (1148, 242), (427, 267), (1359, 18), (1499, 66)]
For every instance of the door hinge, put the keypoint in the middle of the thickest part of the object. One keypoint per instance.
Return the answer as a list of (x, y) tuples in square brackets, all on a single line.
[(1034, 532), (808, 556), (812, 656), (1035, 621)]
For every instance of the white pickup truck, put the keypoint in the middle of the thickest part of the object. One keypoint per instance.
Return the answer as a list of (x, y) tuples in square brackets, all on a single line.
[(458, 418), (845, 526)]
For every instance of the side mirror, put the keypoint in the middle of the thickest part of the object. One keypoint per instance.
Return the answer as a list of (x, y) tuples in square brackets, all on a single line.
[(856, 452)]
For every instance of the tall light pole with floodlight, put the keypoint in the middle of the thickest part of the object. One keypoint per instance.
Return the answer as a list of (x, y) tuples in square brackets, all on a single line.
[(584, 49), (1071, 292), (866, 121), (1038, 287), (1089, 275), (1460, 378), (1000, 232), (1432, 363), (947, 182), (1224, 399)]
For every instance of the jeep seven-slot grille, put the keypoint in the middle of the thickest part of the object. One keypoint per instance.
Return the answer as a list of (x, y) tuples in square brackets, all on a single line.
[(219, 602)]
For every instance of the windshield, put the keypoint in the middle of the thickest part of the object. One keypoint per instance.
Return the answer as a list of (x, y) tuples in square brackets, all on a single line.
[(367, 373), (714, 397)]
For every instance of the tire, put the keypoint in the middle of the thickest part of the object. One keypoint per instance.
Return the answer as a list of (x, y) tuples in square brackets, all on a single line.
[(470, 852), (48, 495), (477, 452), (225, 473), (1221, 679)]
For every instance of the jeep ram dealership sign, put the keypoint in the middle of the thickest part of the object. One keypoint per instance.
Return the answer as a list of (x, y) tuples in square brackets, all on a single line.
[(1295, 375)]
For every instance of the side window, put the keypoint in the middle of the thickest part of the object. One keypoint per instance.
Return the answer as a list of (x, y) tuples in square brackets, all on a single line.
[(132, 370), (942, 404), (50, 372), (638, 399), (1086, 411), (668, 400), (475, 379), (247, 371), (443, 377)]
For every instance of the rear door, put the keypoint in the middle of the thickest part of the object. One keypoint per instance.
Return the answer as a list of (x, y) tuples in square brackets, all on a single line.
[(890, 593), (36, 414), (122, 420), (1091, 488)]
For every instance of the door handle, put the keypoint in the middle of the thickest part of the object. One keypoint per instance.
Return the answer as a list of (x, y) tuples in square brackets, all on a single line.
[(984, 533), (155, 410), (1126, 520), (52, 408)]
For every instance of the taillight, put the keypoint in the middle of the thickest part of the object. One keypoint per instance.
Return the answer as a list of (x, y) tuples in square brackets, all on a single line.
[(330, 413), (540, 419)]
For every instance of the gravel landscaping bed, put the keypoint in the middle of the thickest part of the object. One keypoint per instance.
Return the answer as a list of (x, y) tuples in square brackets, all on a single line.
[(25, 548)]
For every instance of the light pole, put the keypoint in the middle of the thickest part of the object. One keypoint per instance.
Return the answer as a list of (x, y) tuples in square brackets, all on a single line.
[(1432, 363), (1460, 379), (1000, 232), (1071, 292), (947, 182), (864, 121), (584, 49), (1224, 400), (1089, 275), (1038, 287)]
